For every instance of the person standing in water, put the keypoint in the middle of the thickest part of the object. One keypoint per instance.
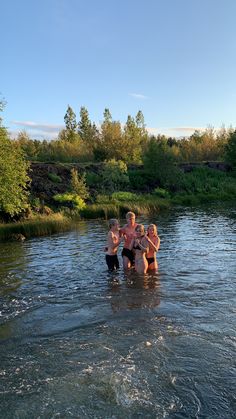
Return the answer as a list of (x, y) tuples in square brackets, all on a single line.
[(128, 232), (140, 245), (113, 241), (154, 244)]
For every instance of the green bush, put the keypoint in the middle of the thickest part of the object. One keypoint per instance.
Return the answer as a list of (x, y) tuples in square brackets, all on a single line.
[(124, 196), (54, 178), (161, 193), (139, 180), (93, 179), (103, 199), (71, 200)]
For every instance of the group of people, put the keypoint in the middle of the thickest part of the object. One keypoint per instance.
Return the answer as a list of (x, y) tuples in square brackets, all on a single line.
[(139, 249)]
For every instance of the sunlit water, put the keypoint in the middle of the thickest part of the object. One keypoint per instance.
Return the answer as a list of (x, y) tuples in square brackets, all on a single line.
[(78, 342)]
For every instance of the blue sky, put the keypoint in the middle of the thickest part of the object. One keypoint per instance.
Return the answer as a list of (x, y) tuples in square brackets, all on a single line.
[(173, 59)]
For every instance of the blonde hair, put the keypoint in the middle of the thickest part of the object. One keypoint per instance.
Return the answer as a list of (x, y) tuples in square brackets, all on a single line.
[(154, 228), (112, 222), (129, 215), (141, 228)]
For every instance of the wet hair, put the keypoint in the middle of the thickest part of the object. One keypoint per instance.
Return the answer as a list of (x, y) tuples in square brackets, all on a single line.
[(154, 228), (129, 215), (112, 222), (140, 227)]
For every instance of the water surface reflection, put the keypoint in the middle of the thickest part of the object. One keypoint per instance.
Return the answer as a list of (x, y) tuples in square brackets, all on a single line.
[(73, 338)]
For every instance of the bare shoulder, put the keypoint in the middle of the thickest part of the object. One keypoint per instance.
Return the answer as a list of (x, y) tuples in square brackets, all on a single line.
[(122, 229)]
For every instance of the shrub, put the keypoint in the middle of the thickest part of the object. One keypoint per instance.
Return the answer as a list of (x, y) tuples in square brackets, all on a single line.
[(71, 200), (124, 196), (54, 178), (161, 193), (93, 179), (114, 176), (78, 184)]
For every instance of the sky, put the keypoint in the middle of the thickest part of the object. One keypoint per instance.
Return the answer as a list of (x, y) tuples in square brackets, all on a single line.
[(175, 60)]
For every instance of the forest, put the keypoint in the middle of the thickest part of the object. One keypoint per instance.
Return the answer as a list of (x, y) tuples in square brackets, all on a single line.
[(101, 171)]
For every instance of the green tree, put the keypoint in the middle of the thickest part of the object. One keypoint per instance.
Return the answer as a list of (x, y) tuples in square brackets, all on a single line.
[(28, 146), (87, 131), (159, 164), (110, 143), (114, 176), (70, 119), (230, 150), (135, 138), (13, 176), (78, 184), (71, 125)]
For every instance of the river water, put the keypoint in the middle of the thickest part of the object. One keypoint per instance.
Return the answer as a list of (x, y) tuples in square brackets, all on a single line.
[(76, 341)]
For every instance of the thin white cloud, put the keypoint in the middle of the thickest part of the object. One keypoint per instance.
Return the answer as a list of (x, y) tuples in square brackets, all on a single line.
[(46, 128), (175, 131), (186, 129), (138, 96)]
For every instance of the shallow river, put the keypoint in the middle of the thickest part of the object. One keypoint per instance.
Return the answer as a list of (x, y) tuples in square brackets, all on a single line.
[(76, 341)]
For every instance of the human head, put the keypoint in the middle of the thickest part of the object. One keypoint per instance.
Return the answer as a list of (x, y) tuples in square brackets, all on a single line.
[(113, 222), (130, 217), (152, 228), (140, 229)]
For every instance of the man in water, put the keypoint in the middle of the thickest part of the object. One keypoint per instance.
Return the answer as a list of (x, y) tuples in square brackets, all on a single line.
[(128, 232)]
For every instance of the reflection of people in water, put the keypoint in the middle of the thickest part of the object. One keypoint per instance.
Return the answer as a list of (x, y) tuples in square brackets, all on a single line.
[(113, 241), (128, 231), (154, 244), (138, 291), (140, 245)]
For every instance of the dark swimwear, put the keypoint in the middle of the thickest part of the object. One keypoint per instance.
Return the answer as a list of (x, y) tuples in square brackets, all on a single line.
[(129, 254), (112, 262), (150, 260), (137, 247)]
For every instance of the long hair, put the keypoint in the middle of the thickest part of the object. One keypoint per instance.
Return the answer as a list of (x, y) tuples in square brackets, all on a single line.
[(154, 228)]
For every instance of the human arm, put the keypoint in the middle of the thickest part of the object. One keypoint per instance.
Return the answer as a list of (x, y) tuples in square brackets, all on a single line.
[(114, 240), (144, 245), (154, 246)]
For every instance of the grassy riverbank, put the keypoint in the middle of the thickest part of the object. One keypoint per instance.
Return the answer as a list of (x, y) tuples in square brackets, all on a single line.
[(37, 226), (42, 225)]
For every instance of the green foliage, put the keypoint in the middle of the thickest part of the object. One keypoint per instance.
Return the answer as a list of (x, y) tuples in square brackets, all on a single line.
[(124, 196), (70, 120), (160, 166), (70, 133), (71, 200), (139, 179), (93, 179), (204, 185), (87, 131), (114, 176), (230, 150), (13, 176), (78, 184), (54, 177), (38, 226), (161, 193)]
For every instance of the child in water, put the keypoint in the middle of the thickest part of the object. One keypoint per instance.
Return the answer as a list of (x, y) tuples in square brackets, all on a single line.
[(113, 241)]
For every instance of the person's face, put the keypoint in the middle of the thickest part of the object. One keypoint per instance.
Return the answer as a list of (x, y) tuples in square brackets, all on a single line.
[(131, 221), (139, 232), (151, 230), (116, 227)]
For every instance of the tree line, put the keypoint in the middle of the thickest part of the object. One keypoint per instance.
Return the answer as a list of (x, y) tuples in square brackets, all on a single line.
[(83, 141), (117, 146)]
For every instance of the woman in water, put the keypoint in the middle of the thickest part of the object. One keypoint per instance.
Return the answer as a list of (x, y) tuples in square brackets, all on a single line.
[(128, 232), (140, 246), (154, 244)]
